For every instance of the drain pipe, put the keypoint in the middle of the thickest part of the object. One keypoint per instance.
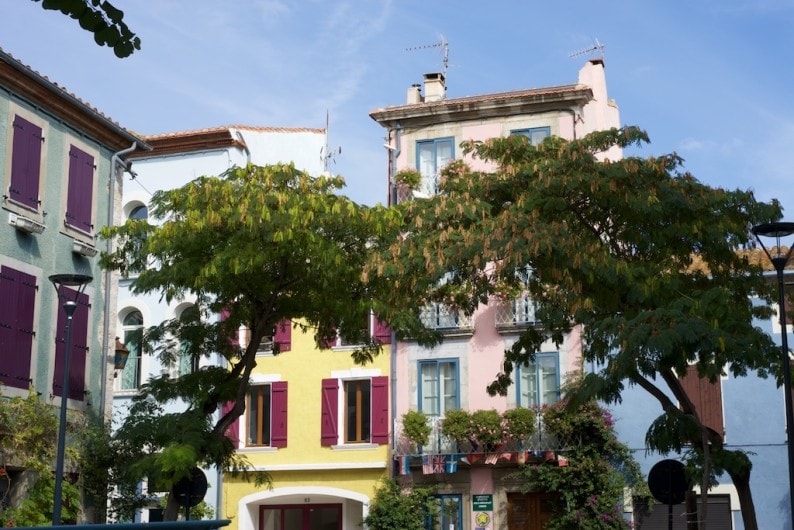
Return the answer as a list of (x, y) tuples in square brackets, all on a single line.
[(394, 152), (115, 162)]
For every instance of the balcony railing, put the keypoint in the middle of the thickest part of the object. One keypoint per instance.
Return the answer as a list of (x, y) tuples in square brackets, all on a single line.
[(441, 317), (439, 444), (519, 311)]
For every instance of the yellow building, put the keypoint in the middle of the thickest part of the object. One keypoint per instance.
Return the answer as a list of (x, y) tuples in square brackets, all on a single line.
[(319, 425)]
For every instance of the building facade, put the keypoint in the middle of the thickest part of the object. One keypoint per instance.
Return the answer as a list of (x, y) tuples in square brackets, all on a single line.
[(175, 160), (425, 134), (62, 162)]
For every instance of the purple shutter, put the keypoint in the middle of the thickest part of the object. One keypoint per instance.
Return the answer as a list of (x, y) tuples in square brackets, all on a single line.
[(79, 350), (18, 295), (278, 402), (382, 332), (233, 432), (329, 432), (81, 189), (282, 338), (329, 341), (380, 410), (26, 163)]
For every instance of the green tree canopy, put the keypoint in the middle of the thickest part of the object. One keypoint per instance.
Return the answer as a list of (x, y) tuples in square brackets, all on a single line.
[(102, 19), (261, 246), (638, 253)]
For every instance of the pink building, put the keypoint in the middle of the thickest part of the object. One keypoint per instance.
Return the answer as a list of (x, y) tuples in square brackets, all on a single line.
[(425, 134)]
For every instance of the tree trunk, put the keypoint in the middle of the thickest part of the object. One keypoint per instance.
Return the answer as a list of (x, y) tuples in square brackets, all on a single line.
[(741, 481), (171, 512)]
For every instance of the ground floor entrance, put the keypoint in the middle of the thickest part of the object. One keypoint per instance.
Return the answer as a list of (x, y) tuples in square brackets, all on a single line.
[(529, 511), (301, 517)]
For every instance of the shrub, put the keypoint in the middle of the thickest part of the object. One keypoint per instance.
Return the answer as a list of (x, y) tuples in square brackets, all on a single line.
[(486, 427), (394, 509), (456, 425), (416, 427), (410, 178), (520, 423)]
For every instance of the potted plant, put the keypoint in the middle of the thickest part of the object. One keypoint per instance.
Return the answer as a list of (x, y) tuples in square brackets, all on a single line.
[(456, 425), (520, 423), (416, 427), (486, 428), (410, 178)]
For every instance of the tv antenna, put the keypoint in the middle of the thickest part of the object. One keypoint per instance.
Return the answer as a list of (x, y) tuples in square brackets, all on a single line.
[(325, 154), (597, 47), (442, 43)]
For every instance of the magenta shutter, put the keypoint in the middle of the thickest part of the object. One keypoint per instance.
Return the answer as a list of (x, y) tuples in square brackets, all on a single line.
[(380, 410), (330, 406), (278, 402), (81, 188), (282, 338), (382, 332), (79, 351), (234, 340), (18, 295), (26, 163), (233, 432)]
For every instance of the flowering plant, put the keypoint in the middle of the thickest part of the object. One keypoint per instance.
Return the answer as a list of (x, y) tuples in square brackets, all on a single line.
[(486, 427), (456, 425), (415, 427), (520, 423), (410, 178)]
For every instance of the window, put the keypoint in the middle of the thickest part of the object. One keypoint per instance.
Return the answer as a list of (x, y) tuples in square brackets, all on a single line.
[(18, 293), (79, 350), (188, 362), (538, 382), (364, 413), (133, 340), (139, 212), (369, 327), (707, 398), (438, 388), (80, 194), (431, 157), (450, 514), (267, 415), (535, 134), (26, 162)]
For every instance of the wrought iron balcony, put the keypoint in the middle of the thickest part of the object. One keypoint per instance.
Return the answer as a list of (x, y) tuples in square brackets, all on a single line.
[(443, 318), (519, 311)]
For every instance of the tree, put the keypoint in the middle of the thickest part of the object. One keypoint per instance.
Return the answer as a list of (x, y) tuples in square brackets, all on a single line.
[(102, 19), (264, 247), (641, 256), (395, 509)]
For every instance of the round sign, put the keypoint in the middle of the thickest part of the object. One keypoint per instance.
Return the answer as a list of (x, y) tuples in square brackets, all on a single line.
[(667, 482), (190, 490)]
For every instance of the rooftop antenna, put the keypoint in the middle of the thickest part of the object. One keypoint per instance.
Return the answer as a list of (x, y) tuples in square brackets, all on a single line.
[(442, 43), (596, 48), (325, 154)]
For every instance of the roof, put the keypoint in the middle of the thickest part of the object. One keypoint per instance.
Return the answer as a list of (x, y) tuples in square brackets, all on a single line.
[(37, 89), (221, 137), (490, 105), (755, 256)]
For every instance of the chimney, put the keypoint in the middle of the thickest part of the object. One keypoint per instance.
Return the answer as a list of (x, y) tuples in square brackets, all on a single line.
[(435, 88), (415, 94)]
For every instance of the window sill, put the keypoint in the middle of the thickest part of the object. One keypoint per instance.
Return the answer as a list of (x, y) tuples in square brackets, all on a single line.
[(355, 447), (253, 449)]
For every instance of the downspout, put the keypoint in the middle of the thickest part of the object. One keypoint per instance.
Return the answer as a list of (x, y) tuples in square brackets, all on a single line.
[(393, 154), (115, 162), (575, 117)]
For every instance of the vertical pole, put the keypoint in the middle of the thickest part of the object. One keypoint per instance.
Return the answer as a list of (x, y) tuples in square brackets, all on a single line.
[(786, 367), (69, 307)]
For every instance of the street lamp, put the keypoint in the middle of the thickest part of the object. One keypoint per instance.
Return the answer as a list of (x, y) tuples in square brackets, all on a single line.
[(78, 283), (779, 259)]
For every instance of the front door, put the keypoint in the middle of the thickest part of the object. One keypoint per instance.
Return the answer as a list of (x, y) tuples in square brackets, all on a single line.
[(529, 511), (301, 517)]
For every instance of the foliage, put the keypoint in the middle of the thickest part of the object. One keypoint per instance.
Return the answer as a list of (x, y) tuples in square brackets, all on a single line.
[(395, 509), (28, 438), (590, 487), (416, 427), (102, 19), (409, 177), (258, 245), (520, 423), (486, 427), (456, 425), (641, 256)]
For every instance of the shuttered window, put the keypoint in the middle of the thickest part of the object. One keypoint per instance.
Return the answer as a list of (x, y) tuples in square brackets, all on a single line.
[(366, 413), (707, 398), (18, 295), (80, 193), (79, 350), (26, 163), (267, 415)]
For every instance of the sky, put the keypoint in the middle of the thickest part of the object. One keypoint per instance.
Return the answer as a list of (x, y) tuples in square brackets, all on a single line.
[(711, 80)]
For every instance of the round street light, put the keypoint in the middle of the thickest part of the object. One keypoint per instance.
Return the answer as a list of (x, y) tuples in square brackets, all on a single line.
[(77, 283)]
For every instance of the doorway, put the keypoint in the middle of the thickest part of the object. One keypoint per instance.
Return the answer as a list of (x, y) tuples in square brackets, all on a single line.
[(529, 511), (300, 517)]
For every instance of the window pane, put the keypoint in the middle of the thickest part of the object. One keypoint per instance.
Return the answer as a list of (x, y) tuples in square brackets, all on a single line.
[(133, 338), (443, 154), (528, 384), (429, 375), (139, 212), (548, 379), (357, 411), (259, 415), (450, 387)]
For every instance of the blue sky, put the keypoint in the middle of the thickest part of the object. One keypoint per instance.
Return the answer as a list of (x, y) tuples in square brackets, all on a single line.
[(709, 79)]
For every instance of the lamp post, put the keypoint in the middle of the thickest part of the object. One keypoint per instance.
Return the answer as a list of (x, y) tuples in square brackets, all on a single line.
[(78, 282), (779, 259)]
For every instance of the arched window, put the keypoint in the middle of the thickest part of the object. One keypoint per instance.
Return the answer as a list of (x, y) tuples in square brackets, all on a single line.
[(133, 337), (139, 212), (188, 362)]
